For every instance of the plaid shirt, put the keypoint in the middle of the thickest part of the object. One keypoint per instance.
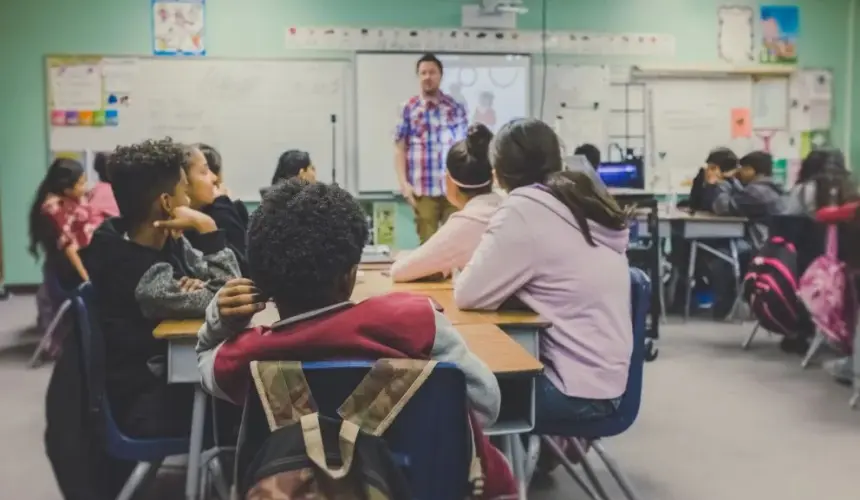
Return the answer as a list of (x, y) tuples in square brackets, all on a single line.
[(430, 129)]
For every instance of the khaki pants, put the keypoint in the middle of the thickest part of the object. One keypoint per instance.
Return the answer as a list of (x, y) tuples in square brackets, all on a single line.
[(430, 213)]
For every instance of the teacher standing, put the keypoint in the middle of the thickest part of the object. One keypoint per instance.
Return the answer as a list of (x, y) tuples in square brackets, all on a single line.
[(429, 124)]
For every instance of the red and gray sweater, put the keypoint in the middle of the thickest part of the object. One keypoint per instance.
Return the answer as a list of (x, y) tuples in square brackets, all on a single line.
[(397, 325)]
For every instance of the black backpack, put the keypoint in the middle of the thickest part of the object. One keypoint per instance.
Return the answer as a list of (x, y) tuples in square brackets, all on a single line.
[(770, 289), (310, 454)]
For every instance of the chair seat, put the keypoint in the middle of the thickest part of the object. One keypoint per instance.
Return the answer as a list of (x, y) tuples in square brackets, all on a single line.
[(118, 445)]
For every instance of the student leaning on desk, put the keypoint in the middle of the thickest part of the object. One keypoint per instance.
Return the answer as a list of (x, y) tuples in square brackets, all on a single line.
[(304, 247), (557, 243), (142, 273)]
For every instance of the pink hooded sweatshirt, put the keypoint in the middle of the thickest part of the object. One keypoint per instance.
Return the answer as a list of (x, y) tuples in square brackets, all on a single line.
[(452, 246)]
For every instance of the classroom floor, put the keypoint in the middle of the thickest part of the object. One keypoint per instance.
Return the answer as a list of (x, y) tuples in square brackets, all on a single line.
[(717, 423)]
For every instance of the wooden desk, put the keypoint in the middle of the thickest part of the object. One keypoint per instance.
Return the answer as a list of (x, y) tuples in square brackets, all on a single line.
[(376, 283), (498, 350), (701, 225)]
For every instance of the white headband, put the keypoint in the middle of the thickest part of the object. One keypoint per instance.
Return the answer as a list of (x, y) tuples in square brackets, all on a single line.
[(469, 186)]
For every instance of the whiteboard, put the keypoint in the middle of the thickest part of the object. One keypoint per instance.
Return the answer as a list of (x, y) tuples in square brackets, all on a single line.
[(688, 117), (250, 110), (576, 102), (385, 81)]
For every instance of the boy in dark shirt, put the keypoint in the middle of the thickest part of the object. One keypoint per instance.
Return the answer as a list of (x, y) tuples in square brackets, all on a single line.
[(143, 271), (748, 191)]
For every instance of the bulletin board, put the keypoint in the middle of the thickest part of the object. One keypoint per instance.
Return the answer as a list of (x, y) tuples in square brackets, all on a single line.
[(250, 110)]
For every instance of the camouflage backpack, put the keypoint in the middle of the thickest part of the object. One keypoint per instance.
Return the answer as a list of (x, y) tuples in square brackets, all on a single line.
[(297, 461)]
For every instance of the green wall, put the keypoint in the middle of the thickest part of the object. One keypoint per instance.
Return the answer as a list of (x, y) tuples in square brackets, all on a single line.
[(255, 28)]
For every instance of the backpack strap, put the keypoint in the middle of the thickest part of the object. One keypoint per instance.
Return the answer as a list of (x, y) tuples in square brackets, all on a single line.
[(476, 471), (384, 391), (316, 451), (283, 391), (832, 245)]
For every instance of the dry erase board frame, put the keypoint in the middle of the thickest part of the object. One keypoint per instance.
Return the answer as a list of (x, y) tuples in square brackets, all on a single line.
[(261, 171), (388, 190)]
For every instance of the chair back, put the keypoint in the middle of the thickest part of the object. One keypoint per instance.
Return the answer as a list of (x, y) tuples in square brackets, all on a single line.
[(628, 410), (92, 349), (802, 231), (430, 437)]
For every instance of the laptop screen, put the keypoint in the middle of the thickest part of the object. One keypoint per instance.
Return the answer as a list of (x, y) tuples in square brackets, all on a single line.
[(621, 175)]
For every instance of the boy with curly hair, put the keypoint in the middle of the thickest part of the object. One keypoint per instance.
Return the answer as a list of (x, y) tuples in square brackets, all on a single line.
[(143, 271), (304, 247)]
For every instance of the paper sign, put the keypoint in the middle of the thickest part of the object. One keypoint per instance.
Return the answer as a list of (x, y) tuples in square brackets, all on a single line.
[(741, 124), (736, 37), (76, 87)]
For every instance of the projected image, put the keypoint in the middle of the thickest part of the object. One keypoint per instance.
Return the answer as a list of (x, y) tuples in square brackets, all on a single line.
[(492, 95)]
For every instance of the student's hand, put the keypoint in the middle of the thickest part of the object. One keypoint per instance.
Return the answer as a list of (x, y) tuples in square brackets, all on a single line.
[(731, 173), (185, 218), (188, 284), (239, 298), (408, 193), (221, 190), (713, 175)]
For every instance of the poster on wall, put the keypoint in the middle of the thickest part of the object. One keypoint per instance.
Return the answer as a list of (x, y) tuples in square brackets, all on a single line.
[(780, 29), (75, 91), (736, 39), (383, 223), (179, 27)]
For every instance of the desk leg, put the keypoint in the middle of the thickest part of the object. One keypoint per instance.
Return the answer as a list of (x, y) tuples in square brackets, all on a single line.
[(516, 454), (691, 274), (661, 290), (736, 270), (198, 424)]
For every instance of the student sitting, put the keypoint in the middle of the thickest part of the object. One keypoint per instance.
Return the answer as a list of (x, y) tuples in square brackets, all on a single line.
[(101, 199), (213, 159), (591, 153), (208, 196), (802, 199), (294, 163), (749, 191), (557, 244), (469, 187), (143, 271), (62, 222), (304, 246), (719, 160)]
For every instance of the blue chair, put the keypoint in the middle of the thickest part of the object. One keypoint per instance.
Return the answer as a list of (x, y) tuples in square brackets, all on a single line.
[(149, 453), (429, 438), (54, 333), (628, 410)]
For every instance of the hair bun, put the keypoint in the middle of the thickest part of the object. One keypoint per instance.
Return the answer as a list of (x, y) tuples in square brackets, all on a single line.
[(478, 140)]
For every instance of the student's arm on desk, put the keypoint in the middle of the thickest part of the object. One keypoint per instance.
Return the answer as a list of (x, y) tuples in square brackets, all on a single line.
[(723, 197), (214, 331), (161, 296), (438, 255), (212, 262), (500, 265), (482, 388)]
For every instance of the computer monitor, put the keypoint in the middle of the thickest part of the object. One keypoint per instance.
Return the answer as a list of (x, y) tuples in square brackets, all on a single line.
[(622, 174)]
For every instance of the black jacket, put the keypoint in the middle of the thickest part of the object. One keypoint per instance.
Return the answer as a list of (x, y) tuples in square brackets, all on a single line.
[(232, 218), (137, 287)]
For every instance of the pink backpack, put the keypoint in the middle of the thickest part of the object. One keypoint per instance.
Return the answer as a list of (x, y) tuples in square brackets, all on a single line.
[(825, 292)]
